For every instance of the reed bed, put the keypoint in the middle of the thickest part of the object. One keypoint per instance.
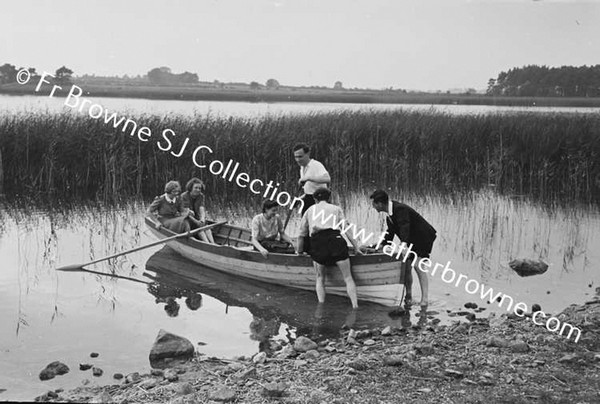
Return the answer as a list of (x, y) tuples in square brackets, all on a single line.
[(538, 155)]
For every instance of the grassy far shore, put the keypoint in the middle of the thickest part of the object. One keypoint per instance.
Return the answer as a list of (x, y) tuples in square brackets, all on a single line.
[(293, 94)]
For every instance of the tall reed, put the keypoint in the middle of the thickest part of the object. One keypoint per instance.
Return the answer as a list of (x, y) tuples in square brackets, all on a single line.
[(546, 156)]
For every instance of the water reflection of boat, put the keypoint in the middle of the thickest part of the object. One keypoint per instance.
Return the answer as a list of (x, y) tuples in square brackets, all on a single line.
[(267, 302), (377, 276)]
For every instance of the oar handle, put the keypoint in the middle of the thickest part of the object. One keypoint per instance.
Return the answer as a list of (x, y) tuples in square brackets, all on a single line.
[(287, 219)]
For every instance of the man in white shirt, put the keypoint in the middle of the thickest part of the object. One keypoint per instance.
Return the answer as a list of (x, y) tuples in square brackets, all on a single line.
[(313, 174), (327, 246)]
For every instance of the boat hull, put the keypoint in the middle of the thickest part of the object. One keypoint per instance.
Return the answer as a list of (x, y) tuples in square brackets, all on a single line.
[(377, 276)]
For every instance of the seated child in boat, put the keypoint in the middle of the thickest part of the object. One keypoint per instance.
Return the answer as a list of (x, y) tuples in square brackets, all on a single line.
[(266, 227), (168, 209)]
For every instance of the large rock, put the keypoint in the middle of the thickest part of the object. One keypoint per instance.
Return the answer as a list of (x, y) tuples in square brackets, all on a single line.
[(170, 346), (527, 267), (53, 369), (303, 344)]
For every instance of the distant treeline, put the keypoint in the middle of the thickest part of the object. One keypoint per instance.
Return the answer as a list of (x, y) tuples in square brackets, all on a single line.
[(544, 81), (543, 156)]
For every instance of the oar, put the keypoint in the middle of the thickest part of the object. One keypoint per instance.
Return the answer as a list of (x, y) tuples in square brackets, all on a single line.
[(287, 219), (79, 267)]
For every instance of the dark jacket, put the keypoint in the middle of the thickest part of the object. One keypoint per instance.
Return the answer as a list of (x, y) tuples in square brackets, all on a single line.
[(410, 227), (194, 204), (164, 208)]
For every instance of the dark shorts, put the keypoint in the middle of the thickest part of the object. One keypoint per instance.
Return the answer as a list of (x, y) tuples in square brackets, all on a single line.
[(328, 247), (423, 250)]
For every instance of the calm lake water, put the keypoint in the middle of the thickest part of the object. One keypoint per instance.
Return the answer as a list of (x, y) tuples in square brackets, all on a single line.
[(32, 103), (49, 315)]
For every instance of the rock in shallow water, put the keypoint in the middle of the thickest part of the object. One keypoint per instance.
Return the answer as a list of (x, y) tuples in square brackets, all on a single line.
[(170, 346), (53, 369), (527, 267)]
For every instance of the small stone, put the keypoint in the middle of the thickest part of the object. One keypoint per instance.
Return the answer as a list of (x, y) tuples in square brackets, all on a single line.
[(303, 344), (471, 317), (363, 334), (535, 308), (393, 360), (453, 373), (59, 390), (470, 305), (519, 347), (288, 351), (369, 342), (133, 377), (312, 354), (97, 371), (171, 375), (488, 375), (222, 394), (249, 373), (424, 349), (597, 357), (260, 357), (357, 364), (352, 341), (184, 389), (52, 394), (94, 354), (234, 367), (497, 342), (85, 382), (299, 363), (103, 397), (569, 358), (539, 362), (386, 331), (118, 376), (85, 366), (157, 372), (148, 384), (274, 389)]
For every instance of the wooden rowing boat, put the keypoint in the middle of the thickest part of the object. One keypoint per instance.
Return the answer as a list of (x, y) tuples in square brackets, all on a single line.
[(377, 276), (169, 271)]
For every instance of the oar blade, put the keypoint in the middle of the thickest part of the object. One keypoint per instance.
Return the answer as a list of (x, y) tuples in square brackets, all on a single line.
[(71, 268)]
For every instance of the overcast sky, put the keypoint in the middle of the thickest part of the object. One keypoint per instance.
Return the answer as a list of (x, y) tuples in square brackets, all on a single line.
[(412, 44)]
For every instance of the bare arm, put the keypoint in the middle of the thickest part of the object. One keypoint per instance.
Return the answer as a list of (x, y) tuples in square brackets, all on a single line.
[(259, 247)]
